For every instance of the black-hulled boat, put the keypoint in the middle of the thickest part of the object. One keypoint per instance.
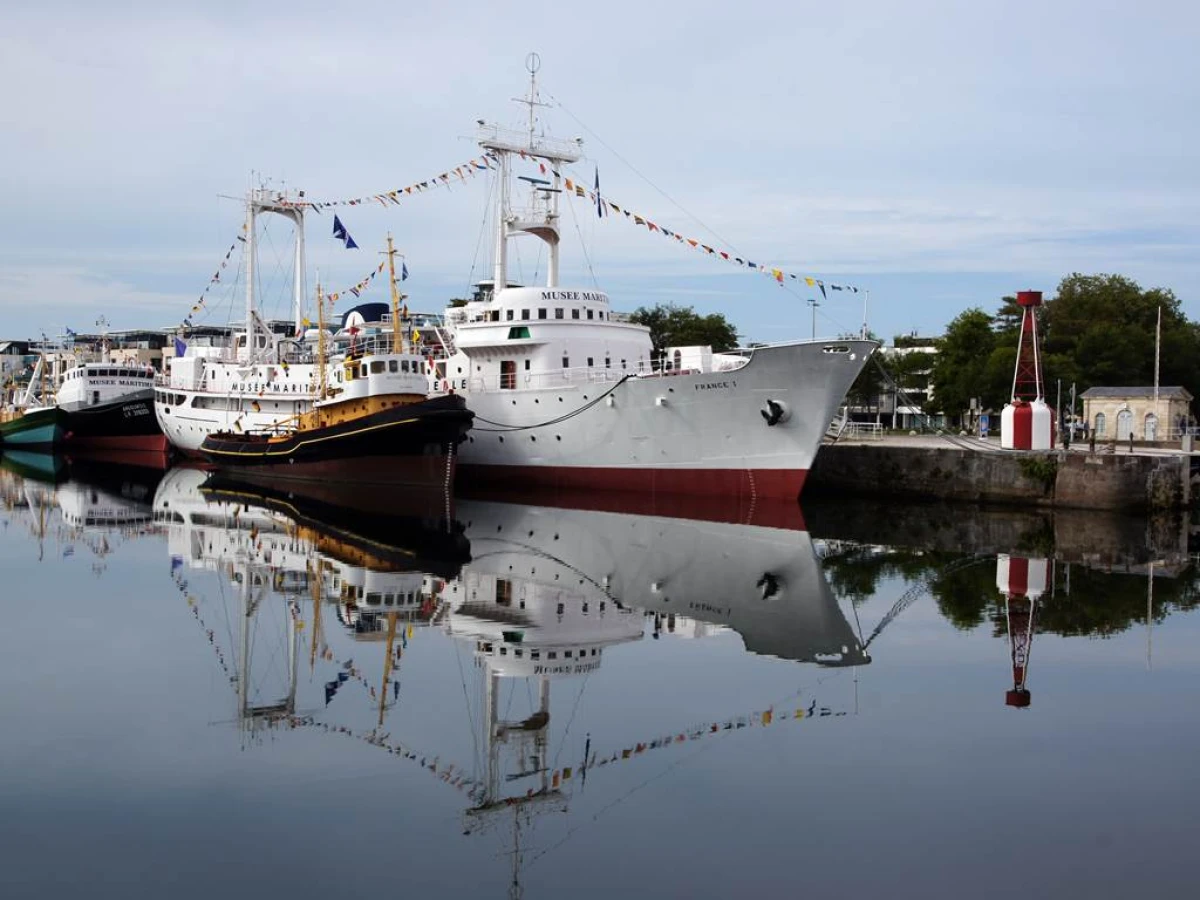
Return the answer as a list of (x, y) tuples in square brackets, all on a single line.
[(375, 426)]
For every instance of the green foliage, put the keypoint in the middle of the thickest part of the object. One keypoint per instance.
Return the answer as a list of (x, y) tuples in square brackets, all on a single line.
[(1042, 469), (961, 363), (1099, 330), (681, 326), (1096, 330)]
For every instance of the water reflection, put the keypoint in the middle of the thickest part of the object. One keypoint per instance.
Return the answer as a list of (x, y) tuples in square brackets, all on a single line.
[(546, 667)]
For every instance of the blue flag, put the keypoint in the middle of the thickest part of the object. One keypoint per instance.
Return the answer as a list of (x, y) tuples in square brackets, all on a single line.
[(599, 202), (403, 271), (180, 347), (340, 232)]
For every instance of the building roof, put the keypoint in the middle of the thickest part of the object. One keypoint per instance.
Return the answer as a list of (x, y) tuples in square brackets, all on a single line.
[(1172, 392)]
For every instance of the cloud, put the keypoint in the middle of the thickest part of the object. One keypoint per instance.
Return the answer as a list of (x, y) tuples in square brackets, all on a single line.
[(929, 137)]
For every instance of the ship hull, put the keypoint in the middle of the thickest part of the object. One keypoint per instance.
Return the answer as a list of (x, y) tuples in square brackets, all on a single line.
[(125, 424), (698, 434), (36, 428), (411, 445)]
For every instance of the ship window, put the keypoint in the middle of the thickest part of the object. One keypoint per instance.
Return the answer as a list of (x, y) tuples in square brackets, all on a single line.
[(575, 314), (362, 370), (524, 314), (518, 332), (591, 313), (495, 315), (591, 361), (566, 654), (607, 363), (566, 362), (394, 366), (558, 312), (508, 375), (378, 366), (541, 312), (552, 654), (526, 365), (623, 364), (508, 314), (404, 365)]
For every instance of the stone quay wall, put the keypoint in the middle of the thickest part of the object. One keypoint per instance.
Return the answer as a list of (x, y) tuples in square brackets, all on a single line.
[(1071, 480)]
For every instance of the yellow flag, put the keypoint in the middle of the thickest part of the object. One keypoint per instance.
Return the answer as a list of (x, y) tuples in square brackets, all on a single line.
[(810, 282), (416, 335)]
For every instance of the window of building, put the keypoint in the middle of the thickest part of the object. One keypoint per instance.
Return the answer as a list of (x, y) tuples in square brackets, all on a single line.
[(508, 314), (558, 312), (591, 313), (524, 314), (541, 312), (1100, 423), (575, 313)]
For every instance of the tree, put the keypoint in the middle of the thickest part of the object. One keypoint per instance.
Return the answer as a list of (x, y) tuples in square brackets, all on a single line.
[(961, 364), (1100, 330), (681, 326)]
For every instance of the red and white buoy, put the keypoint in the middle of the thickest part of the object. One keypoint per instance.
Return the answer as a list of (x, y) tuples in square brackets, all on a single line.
[(1022, 580), (1027, 423)]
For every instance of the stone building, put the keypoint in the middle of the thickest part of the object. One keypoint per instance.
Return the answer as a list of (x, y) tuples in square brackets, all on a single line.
[(1114, 413)]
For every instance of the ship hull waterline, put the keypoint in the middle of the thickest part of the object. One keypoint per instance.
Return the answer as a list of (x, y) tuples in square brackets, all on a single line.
[(411, 446), (125, 424), (749, 432)]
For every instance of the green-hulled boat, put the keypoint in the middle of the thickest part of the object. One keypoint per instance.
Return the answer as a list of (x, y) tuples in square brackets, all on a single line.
[(37, 427)]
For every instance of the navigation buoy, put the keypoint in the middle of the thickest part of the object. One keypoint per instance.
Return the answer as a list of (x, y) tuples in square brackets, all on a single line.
[(1026, 423)]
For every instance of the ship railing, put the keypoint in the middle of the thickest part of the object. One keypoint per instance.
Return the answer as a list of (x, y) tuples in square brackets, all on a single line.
[(558, 378)]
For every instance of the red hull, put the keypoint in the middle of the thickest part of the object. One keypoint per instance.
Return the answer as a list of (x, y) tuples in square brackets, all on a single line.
[(148, 443), (767, 497)]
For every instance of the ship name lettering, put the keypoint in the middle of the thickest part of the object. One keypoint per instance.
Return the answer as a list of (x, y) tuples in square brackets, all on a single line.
[(586, 296), (715, 385)]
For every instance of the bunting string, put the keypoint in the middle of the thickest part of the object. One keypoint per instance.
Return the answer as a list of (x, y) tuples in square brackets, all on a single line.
[(460, 173), (358, 288), (604, 207), (215, 279)]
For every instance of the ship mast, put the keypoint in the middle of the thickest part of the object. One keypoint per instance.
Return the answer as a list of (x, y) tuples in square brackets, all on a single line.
[(541, 220), (322, 384), (397, 340), (258, 201)]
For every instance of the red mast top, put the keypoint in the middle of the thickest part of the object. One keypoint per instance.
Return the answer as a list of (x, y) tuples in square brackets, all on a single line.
[(1027, 379)]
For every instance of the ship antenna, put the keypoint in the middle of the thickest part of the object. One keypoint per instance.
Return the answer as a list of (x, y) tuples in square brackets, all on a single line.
[(533, 62)]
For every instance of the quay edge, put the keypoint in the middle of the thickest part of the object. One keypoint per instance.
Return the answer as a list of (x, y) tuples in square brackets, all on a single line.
[(1112, 481)]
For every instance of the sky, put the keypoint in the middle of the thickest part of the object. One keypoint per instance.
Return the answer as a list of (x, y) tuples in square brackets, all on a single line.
[(937, 155)]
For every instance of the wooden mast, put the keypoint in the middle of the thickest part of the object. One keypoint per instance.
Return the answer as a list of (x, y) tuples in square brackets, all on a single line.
[(397, 341)]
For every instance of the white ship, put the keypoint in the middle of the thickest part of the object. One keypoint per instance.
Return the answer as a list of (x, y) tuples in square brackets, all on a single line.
[(568, 393), (765, 583), (260, 381)]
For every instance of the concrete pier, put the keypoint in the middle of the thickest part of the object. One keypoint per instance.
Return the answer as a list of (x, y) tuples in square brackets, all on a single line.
[(953, 468)]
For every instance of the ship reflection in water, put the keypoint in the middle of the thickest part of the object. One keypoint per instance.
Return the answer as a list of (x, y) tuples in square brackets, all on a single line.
[(523, 688)]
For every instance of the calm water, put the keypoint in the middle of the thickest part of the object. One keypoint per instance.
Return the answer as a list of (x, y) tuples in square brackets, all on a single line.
[(211, 690)]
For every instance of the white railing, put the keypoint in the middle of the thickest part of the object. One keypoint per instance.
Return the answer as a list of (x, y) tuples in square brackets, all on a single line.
[(869, 430)]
